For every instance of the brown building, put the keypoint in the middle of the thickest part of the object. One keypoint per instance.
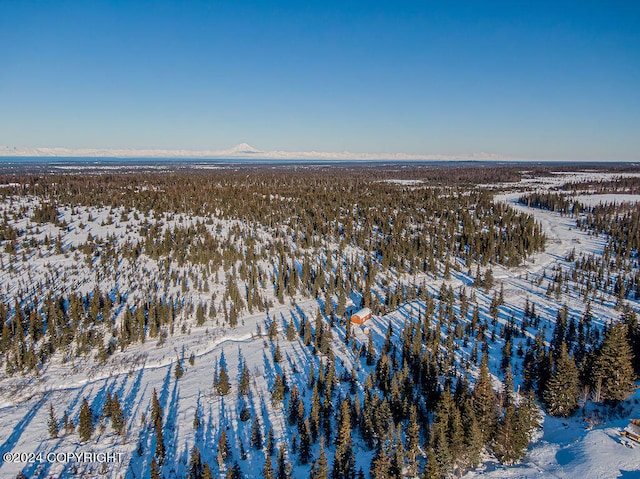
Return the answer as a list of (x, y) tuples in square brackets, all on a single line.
[(361, 316)]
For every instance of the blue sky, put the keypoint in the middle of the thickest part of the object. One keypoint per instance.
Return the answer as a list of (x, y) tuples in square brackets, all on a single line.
[(549, 80)]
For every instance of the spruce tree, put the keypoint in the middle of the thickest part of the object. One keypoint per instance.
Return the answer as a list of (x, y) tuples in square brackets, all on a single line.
[(561, 393), (267, 470), (117, 415), (413, 442), (160, 449), (283, 468), (256, 435), (178, 371), (156, 409), (223, 387), (195, 464), (380, 463), (484, 401), (270, 442), (473, 442), (291, 331), (304, 451), (633, 332), (371, 353), (432, 469), (526, 421), (245, 379), (200, 315), (344, 461), (504, 447), (277, 354), (278, 391), (155, 470), (53, 425), (614, 364), (320, 469), (196, 420), (224, 451), (440, 447), (85, 425), (156, 418)]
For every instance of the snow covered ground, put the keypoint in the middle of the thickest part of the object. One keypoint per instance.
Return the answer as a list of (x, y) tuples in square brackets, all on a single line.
[(563, 448), (569, 449)]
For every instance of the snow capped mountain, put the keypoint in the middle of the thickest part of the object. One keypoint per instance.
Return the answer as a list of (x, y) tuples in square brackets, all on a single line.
[(243, 148)]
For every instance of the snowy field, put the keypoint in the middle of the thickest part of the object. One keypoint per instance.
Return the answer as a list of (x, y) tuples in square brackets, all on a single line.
[(564, 448)]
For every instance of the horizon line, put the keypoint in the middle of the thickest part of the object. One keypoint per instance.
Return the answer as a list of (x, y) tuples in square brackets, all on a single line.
[(244, 151)]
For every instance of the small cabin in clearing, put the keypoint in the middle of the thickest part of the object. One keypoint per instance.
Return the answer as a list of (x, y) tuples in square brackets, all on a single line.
[(361, 316), (632, 431)]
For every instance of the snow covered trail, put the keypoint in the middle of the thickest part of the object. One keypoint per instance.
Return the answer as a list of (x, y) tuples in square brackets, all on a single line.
[(562, 235), (562, 239)]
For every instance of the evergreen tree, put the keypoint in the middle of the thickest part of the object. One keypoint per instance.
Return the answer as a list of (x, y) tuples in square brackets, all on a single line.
[(614, 364), (156, 419), (344, 460), (413, 442), (196, 420), (256, 434), (488, 279), (160, 449), (53, 425), (432, 469), (85, 425), (397, 458), (320, 469), (473, 442), (291, 331), (440, 447), (314, 414), (117, 415), (504, 447), (631, 320), (484, 401), (178, 371), (155, 470), (278, 391), (381, 462), (525, 423), (156, 409), (200, 315), (371, 352), (223, 386), (561, 393), (304, 451), (560, 330), (270, 442), (245, 379), (283, 468), (224, 451), (277, 354), (267, 470), (195, 464)]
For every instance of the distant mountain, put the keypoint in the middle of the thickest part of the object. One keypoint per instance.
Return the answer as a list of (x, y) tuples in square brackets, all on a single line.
[(242, 150)]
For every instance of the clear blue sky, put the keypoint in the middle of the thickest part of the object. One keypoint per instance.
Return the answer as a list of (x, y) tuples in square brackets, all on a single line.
[(550, 80)]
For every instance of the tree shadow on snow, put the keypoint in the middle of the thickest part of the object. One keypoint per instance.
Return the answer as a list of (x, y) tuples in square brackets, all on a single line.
[(13, 438)]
